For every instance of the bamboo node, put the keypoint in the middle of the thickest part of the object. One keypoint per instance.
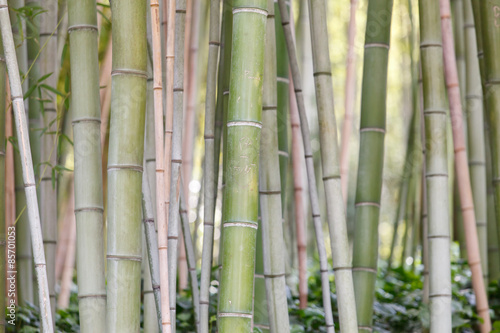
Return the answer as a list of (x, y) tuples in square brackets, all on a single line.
[(283, 153), (425, 45), (123, 257), (82, 27), (366, 328), (273, 276), (283, 79), (252, 225), (118, 167), (382, 45), (225, 92), (365, 269), (92, 296), (269, 107), (259, 276), (234, 314), (214, 43), (439, 295), (436, 175), (372, 129), (367, 203), (244, 123), (331, 177), (133, 72), (250, 10), (438, 236), (342, 268), (86, 119), (278, 192), (322, 73)]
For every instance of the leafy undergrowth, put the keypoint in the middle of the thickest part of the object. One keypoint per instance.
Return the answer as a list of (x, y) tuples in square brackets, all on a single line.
[(398, 306)]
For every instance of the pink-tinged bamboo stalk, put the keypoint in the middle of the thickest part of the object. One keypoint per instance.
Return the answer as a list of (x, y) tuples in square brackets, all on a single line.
[(64, 236), (349, 102), (462, 167), (69, 262), (105, 83), (298, 190), (161, 210)]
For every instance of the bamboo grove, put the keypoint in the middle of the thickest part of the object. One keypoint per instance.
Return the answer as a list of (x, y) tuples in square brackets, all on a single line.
[(238, 165)]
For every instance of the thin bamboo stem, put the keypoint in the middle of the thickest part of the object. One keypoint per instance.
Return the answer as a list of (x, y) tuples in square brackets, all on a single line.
[(3, 236), (160, 167), (298, 191), (152, 246), (335, 205), (210, 179), (311, 177), (462, 168), (349, 101), (27, 167)]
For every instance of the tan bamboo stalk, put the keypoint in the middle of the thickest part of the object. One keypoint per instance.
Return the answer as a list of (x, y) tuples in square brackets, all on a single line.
[(342, 265), (27, 168), (462, 167), (210, 178), (69, 262), (175, 171), (298, 192), (3, 230), (160, 167), (311, 177), (105, 82), (62, 244), (349, 102), (48, 194)]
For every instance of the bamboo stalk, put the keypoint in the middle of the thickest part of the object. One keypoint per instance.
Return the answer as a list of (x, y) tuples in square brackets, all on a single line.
[(260, 304), (462, 169), (270, 189), (371, 158), (169, 16), (125, 165), (311, 177), (349, 101), (152, 246), (69, 260), (178, 103), (475, 123), (330, 165), (242, 166), (434, 113), (48, 192), (89, 208), (160, 167), (298, 190), (27, 168), (191, 259), (210, 179)]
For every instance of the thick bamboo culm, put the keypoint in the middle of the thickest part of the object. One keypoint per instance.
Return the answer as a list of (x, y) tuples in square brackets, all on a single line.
[(89, 208), (330, 165), (48, 192), (462, 169), (270, 190), (125, 165), (160, 166), (349, 101), (311, 177), (473, 109), (242, 166), (435, 118), (175, 170), (27, 168), (371, 158), (210, 178), (3, 229)]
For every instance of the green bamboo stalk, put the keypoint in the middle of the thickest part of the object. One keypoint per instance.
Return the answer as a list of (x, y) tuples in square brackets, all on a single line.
[(27, 167), (475, 123), (282, 83), (488, 14), (178, 100), (48, 192), (371, 158), (242, 166), (403, 192), (458, 222), (86, 107), (151, 246), (125, 165), (3, 229), (270, 189), (260, 304), (311, 177), (458, 20), (462, 169), (331, 169), (24, 259), (434, 110), (211, 162)]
